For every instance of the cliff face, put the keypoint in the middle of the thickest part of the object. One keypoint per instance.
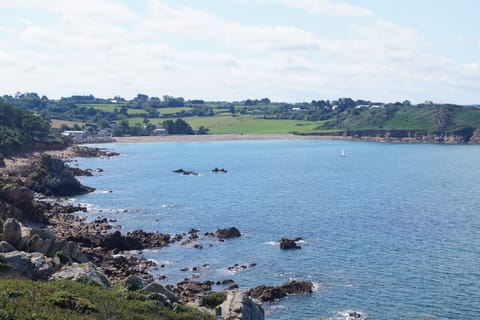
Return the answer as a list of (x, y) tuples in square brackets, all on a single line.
[(53, 178), (461, 136), (46, 175)]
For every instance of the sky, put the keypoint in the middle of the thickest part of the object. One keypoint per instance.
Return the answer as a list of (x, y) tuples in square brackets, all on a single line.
[(231, 50)]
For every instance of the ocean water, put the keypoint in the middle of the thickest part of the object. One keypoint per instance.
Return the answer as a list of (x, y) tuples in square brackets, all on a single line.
[(390, 230)]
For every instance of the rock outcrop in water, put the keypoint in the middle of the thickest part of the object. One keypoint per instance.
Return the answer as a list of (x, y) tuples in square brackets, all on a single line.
[(53, 178), (287, 244), (270, 293), (228, 233)]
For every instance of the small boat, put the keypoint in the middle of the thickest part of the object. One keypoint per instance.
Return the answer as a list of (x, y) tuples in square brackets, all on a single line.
[(343, 153)]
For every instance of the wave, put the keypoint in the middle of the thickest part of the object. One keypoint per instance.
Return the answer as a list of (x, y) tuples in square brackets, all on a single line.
[(349, 315)]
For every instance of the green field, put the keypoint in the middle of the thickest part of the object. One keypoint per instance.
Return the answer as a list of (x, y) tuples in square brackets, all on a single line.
[(172, 110), (104, 107), (242, 124)]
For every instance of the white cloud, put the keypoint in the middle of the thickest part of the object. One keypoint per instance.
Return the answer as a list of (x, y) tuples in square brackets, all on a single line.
[(328, 8), (105, 49)]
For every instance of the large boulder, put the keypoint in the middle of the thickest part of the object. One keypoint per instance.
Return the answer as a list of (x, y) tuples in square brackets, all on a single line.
[(34, 244), (32, 265), (6, 247), (12, 232), (228, 233), (42, 233), (156, 287), (239, 306), (18, 202), (84, 272)]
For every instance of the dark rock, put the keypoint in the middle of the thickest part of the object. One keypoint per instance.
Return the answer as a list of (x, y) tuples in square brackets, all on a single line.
[(188, 290), (355, 314), (186, 173), (233, 287), (81, 172), (266, 293), (89, 152), (297, 287), (53, 177), (6, 247), (117, 241), (228, 233), (287, 244), (224, 282), (240, 267), (269, 293)]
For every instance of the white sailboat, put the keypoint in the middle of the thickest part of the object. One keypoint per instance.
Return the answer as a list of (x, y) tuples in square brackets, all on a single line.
[(343, 153)]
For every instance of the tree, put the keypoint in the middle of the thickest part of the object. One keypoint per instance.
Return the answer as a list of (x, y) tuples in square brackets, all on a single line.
[(178, 126), (202, 130)]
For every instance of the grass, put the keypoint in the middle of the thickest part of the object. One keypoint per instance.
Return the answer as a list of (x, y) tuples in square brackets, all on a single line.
[(104, 107), (26, 299), (245, 124), (56, 124), (411, 118), (467, 117), (172, 110)]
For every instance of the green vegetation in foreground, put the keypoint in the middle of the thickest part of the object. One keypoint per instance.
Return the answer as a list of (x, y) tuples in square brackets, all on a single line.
[(39, 300)]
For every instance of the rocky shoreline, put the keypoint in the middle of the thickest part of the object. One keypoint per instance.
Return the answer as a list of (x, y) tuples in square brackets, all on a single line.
[(43, 239)]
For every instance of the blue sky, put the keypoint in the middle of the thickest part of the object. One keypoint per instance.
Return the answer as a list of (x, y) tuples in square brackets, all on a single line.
[(287, 50)]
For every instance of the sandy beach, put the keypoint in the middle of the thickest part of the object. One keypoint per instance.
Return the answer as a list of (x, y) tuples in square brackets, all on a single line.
[(220, 137)]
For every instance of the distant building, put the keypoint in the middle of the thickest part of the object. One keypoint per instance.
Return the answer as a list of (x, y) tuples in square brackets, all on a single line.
[(74, 134), (159, 132), (104, 133)]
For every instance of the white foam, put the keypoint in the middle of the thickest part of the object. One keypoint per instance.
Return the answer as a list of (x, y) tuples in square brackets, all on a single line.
[(103, 191), (346, 315), (272, 243)]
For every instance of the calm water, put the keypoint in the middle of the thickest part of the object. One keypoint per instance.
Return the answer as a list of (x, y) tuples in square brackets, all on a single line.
[(391, 230)]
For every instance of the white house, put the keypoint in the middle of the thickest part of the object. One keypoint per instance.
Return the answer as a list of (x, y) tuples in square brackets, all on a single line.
[(159, 132), (74, 134)]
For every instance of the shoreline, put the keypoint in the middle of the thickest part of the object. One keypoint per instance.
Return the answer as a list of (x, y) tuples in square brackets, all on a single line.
[(221, 137), (429, 139)]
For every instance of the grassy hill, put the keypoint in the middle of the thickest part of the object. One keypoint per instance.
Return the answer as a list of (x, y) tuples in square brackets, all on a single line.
[(59, 300)]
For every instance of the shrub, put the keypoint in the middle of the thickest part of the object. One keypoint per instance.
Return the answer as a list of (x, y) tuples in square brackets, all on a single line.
[(213, 299), (64, 258), (69, 301)]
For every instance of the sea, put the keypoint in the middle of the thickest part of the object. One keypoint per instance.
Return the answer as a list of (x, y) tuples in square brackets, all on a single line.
[(390, 231)]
